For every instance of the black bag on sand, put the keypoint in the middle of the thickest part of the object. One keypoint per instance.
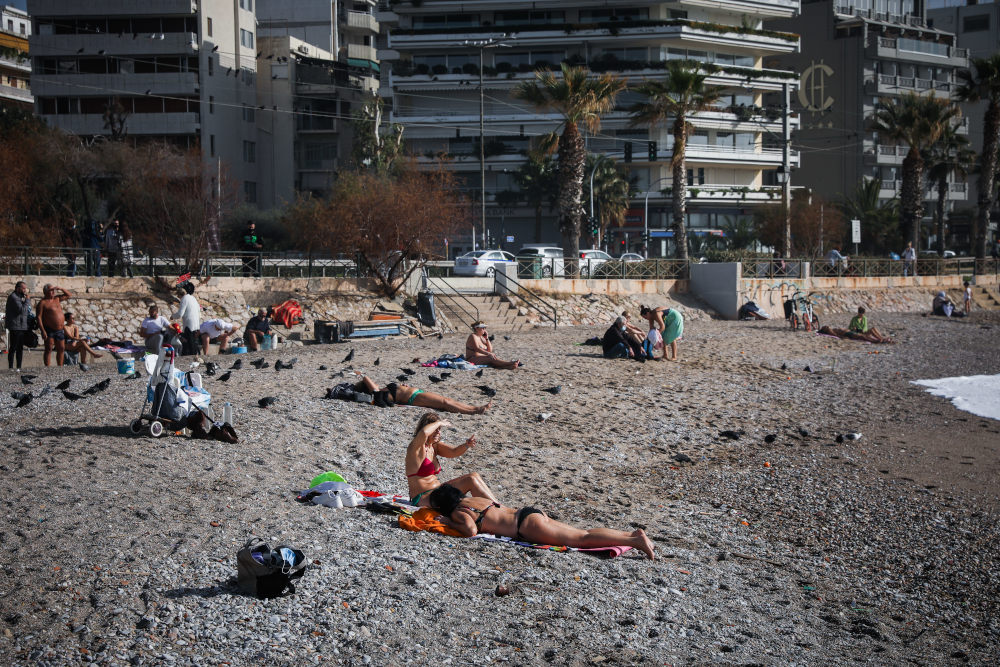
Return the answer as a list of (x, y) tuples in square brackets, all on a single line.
[(266, 572)]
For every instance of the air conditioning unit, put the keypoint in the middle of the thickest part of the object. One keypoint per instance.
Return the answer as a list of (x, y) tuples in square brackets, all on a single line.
[(303, 49)]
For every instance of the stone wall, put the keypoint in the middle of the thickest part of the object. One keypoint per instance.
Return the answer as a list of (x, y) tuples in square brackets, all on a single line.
[(601, 309)]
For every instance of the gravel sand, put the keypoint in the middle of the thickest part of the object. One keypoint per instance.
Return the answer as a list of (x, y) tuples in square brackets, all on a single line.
[(884, 550)]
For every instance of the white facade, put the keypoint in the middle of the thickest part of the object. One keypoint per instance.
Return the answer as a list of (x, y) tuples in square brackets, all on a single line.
[(15, 65), (184, 71), (434, 85)]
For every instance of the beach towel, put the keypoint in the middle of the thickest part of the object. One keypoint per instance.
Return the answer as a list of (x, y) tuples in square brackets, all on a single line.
[(426, 519)]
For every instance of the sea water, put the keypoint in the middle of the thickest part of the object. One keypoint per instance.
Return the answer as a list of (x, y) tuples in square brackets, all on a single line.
[(978, 394)]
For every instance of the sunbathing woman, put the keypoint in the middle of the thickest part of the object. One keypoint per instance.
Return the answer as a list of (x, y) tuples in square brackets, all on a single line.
[(404, 394), (422, 467), (472, 515), (479, 349)]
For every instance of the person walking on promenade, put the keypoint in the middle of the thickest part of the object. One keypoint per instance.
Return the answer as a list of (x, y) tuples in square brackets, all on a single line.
[(127, 256), (909, 260), (253, 245), (52, 322), (18, 317), (113, 245), (92, 247)]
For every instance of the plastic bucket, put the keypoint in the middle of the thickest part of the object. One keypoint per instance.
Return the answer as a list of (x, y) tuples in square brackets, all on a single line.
[(239, 350), (267, 342), (126, 366)]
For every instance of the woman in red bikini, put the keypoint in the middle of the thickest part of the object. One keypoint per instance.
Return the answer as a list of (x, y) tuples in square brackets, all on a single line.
[(422, 467)]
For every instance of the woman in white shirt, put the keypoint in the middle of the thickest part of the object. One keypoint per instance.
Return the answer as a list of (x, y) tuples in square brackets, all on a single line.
[(212, 329), (189, 313), (156, 329)]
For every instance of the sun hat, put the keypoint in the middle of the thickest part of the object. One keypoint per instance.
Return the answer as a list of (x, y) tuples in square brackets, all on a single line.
[(479, 325)]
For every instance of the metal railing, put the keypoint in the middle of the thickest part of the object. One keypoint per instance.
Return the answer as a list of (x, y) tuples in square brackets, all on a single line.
[(439, 285), (884, 267), (534, 301), (773, 268)]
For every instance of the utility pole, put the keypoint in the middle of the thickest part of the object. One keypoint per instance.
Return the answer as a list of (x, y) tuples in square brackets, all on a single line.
[(786, 163)]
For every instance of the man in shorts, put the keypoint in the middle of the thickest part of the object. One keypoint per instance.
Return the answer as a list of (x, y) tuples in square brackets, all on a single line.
[(52, 322), (215, 329)]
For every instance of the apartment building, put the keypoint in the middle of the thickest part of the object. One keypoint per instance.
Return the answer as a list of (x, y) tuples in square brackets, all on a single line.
[(853, 54), (182, 71), (15, 65), (434, 84)]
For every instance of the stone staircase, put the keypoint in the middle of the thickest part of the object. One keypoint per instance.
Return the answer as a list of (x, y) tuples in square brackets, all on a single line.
[(985, 298), (498, 313)]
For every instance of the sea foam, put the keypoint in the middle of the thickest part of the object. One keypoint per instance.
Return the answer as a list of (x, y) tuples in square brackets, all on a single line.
[(978, 394)]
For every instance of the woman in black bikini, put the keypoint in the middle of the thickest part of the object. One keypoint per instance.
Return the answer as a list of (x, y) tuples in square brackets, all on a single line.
[(473, 515), (422, 467)]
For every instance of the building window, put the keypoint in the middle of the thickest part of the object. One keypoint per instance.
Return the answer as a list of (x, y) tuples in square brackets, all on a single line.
[(211, 145), (211, 65), (250, 192), (10, 25), (249, 151), (246, 38), (249, 76), (249, 114), (211, 104), (209, 26), (247, 5), (977, 23)]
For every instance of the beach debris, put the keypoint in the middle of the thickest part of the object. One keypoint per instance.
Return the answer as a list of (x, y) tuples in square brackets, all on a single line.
[(267, 401), (433, 378), (416, 360), (553, 390), (225, 376), (770, 437), (237, 365), (27, 379), (804, 433), (488, 390), (63, 385), (377, 361), (479, 373), (544, 416), (502, 590), (99, 387), (440, 335), (349, 357), (71, 396), (732, 435)]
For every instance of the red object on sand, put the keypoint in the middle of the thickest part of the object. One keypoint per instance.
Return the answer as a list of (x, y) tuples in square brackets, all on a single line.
[(289, 313)]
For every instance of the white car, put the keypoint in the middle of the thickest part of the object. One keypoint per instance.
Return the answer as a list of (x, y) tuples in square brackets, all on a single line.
[(632, 257), (591, 259), (482, 262)]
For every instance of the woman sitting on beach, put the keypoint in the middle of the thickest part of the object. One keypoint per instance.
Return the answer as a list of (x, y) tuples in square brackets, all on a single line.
[(470, 516), (479, 349), (670, 323), (422, 467), (404, 394)]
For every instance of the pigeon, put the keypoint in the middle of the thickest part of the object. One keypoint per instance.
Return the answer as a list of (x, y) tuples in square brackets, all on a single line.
[(440, 335), (544, 416), (46, 391), (770, 437), (27, 379), (278, 365), (225, 376), (840, 438), (808, 369), (71, 396), (84, 368), (433, 378), (322, 367), (408, 371), (480, 373), (25, 400), (211, 368), (506, 337), (554, 390), (291, 364), (267, 401), (732, 435), (784, 367), (445, 375), (259, 363), (17, 395), (63, 385), (493, 337), (402, 378), (237, 365), (377, 361), (804, 433), (99, 387), (416, 360), (489, 391), (349, 357)]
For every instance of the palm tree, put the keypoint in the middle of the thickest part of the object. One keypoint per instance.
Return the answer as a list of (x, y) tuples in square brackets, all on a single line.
[(951, 155), (682, 94), (537, 180), (613, 193), (982, 83), (881, 219), (918, 122), (579, 98)]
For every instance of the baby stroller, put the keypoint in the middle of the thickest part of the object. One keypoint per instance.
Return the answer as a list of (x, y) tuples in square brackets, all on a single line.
[(171, 395)]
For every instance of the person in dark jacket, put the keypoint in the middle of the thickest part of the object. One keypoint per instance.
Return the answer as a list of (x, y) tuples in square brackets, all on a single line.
[(617, 344), (92, 244), (18, 322)]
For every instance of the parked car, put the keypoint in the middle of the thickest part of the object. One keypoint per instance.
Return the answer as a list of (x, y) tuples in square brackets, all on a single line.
[(932, 254), (591, 260), (539, 260), (632, 257), (481, 262)]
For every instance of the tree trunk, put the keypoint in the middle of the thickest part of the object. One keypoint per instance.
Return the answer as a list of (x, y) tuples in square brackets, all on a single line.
[(942, 195), (912, 197), (679, 193), (571, 167), (987, 176), (538, 223)]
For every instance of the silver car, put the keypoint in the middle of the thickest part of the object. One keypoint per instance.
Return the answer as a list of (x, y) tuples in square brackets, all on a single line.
[(481, 262)]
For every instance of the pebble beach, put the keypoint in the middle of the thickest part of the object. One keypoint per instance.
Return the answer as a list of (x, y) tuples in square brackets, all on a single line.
[(801, 548)]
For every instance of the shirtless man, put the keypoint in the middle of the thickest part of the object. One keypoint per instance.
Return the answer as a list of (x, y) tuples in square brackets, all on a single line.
[(75, 343), (52, 322)]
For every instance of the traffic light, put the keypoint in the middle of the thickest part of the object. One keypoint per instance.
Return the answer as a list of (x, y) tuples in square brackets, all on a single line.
[(652, 151), (593, 226), (628, 151)]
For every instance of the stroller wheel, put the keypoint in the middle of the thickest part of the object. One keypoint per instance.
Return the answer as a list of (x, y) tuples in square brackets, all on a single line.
[(156, 429), (135, 426)]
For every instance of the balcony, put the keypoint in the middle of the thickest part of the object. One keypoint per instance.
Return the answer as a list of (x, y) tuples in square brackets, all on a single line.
[(15, 94), (918, 51), (762, 8), (137, 124), (45, 8), (889, 84), (361, 52), (46, 85), (173, 43), (359, 21), (956, 191), (18, 64)]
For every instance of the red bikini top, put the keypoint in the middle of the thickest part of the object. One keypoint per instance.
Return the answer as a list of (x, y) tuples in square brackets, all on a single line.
[(426, 469)]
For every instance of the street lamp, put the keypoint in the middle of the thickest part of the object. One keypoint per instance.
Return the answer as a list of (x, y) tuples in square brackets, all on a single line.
[(783, 178), (482, 45), (645, 216)]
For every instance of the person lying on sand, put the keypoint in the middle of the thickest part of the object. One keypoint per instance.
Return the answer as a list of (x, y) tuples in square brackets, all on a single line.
[(422, 467), (404, 394), (854, 335), (479, 349), (859, 324), (470, 516)]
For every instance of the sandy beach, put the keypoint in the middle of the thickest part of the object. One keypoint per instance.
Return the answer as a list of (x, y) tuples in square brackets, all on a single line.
[(884, 550)]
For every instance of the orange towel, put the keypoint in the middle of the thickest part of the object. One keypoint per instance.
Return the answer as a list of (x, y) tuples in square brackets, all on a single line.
[(426, 519)]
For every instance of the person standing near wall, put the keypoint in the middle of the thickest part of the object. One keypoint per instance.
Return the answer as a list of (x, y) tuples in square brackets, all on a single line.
[(252, 244), (92, 246), (909, 260), (127, 251), (18, 322), (112, 245), (189, 313)]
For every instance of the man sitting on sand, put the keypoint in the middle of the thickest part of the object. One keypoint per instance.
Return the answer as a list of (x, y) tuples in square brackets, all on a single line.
[(258, 327), (479, 349), (618, 344), (52, 323), (859, 325), (75, 344), (404, 394), (215, 330)]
